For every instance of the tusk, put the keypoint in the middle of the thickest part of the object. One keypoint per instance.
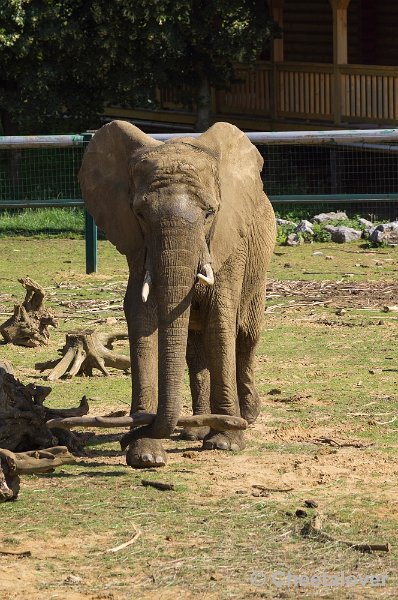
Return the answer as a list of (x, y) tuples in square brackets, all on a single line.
[(146, 286), (208, 277)]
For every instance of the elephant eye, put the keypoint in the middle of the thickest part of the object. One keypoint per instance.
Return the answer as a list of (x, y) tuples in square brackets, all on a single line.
[(209, 212)]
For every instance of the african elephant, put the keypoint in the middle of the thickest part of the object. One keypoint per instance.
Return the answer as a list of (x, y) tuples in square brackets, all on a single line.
[(198, 231)]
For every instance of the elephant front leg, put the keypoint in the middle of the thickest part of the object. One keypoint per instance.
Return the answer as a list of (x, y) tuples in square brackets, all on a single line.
[(142, 452), (220, 346), (199, 379)]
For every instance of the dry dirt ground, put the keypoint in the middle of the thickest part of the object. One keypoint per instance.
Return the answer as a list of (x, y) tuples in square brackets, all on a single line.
[(327, 374)]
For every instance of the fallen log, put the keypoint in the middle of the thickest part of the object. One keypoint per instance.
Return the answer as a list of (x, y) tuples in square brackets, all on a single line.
[(28, 326), (12, 465), (216, 422), (84, 351)]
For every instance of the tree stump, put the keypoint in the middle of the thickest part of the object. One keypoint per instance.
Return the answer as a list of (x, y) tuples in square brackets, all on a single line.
[(84, 351), (29, 324), (23, 417), (38, 461)]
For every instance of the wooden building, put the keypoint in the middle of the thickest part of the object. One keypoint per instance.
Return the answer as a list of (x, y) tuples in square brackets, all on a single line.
[(336, 66)]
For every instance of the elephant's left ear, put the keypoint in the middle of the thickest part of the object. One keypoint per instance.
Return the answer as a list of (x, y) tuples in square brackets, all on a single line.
[(241, 187)]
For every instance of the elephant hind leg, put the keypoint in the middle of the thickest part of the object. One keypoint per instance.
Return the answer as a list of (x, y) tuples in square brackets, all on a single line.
[(246, 342), (199, 379)]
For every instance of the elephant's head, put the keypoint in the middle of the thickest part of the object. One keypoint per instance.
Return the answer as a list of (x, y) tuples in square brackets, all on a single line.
[(177, 210)]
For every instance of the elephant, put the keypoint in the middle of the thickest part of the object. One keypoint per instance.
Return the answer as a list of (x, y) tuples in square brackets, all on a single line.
[(198, 231)]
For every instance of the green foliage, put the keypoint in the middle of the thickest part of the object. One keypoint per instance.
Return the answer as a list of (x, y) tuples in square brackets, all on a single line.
[(61, 61), (282, 233), (320, 233)]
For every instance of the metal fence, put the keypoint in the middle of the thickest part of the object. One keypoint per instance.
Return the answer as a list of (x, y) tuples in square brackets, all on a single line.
[(304, 173)]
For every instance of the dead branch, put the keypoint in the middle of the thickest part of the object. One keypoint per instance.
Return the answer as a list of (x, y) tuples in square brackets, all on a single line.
[(37, 461), (264, 488), (386, 422), (314, 529), (84, 351), (64, 413), (216, 422), (16, 552), (28, 326), (331, 442), (12, 465), (137, 534), (157, 485)]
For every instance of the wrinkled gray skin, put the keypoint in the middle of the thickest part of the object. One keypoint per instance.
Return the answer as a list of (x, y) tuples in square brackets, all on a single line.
[(173, 208)]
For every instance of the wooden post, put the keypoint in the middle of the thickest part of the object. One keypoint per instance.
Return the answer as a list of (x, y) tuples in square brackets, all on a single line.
[(91, 235), (340, 50), (277, 54)]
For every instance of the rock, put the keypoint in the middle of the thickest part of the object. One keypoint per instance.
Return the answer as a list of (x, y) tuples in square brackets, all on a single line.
[(342, 234), (285, 222), (311, 503), (304, 227), (301, 513), (317, 253), (365, 223), (376, 236), (390, 308), (392, 226), (331, 216), (72, 580), (275, 392), (293, 239), (385, 232)]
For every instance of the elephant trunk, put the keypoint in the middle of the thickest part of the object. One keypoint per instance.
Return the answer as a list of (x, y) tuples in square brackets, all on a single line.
[(174, 260)]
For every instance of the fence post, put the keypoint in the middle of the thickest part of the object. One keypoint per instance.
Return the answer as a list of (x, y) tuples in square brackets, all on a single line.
[(90, 230)]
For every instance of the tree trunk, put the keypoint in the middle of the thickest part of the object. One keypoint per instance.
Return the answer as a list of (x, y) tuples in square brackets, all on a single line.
[(84, 351), (203, 104), (29, 324), (23, 418)]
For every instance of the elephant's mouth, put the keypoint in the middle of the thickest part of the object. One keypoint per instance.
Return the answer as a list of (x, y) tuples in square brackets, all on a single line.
[(205, 275)]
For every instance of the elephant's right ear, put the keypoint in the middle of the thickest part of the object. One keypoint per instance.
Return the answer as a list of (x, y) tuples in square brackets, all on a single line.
[(104, 181)]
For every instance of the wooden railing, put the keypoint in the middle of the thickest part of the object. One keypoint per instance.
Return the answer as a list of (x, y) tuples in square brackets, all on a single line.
[(250, 96), (304, 90), (310, 91), (369, 93)]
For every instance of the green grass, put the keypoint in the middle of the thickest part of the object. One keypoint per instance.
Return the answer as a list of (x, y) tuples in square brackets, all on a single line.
[(41, 222), (207, 538)]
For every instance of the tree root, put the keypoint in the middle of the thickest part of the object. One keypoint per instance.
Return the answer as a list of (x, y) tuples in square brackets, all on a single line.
[(23, 416), (84, 351), (23, 463), (29, 324)]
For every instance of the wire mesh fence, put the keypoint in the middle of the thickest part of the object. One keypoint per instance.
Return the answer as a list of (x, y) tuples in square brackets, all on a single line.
[(304, 172), (361, 180), (40, 176)]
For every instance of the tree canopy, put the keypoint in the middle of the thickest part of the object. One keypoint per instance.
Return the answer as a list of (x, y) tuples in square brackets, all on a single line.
[(62, 60)]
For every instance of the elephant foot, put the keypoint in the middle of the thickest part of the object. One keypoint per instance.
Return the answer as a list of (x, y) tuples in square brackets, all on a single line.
[(224, 440), (250, 408), (194, 434), (144, 453)]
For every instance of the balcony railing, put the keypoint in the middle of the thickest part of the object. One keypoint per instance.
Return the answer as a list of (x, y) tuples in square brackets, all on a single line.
[(310, 91)]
